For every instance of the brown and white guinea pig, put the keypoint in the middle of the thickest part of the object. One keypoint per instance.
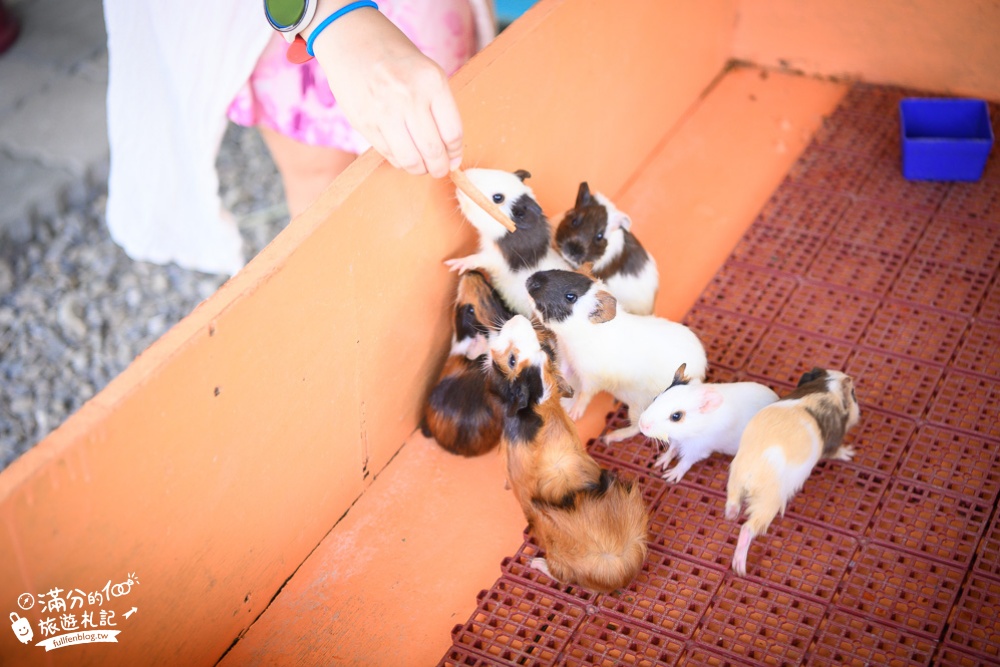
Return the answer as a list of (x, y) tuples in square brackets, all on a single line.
[(780, 446), (602, 348), (595, 231), (508, 257), (591, 524), (698, 419), (461, 413)]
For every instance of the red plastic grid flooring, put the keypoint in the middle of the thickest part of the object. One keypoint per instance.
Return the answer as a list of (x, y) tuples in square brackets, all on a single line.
[(892, 558)]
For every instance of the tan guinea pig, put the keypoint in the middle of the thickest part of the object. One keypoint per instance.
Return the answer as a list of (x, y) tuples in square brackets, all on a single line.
[(780, 446)]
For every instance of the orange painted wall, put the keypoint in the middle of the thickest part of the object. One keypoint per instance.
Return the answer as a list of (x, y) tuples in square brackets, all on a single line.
[(941, 47)]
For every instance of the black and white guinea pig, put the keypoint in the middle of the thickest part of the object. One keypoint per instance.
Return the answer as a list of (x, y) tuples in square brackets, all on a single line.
[(461, 413), (595, 231), (508, 257)]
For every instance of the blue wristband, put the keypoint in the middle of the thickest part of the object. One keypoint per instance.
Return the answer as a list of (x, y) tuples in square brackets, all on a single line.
[(333, 17)]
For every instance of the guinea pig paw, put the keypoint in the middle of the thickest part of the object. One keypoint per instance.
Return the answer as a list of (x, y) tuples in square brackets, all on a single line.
[(740, 564), (845, 453), (542, 566), (572, 406), (461, 264), (674, 475), (664, 459), (623, 433)]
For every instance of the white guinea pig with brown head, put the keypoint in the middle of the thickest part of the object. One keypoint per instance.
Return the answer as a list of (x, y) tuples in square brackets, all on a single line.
[(594, 231), (632, 357), (508, 257), (780, 446), (698, 419)]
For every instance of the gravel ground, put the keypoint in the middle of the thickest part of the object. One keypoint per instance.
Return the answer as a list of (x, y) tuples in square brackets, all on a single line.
[(75, 310)]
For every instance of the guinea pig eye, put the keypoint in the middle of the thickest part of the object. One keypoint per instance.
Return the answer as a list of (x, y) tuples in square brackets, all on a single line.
[(512, 360), (498, 198), (570, 297), (599, 236), (677, 416)]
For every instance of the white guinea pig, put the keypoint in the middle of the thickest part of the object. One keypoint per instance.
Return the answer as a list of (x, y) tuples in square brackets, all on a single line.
[(632, 357), (696, 420)]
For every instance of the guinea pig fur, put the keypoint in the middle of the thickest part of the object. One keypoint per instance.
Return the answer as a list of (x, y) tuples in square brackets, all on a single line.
[(632, 357), (461, 413), (696, 420), (508, 257), (780, 446), (591, 524), (595, 231)]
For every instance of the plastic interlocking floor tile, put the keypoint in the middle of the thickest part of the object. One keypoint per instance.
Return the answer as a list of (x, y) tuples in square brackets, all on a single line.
[(729, 341), (849, 639), (979, 351), (900, 589), (929, 521), (973, 624), (830, 311), (803, 208), (759, 624), (892, 558), (953, 461)]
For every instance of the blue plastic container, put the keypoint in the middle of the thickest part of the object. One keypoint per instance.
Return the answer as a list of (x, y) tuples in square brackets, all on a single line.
[(944, 139)]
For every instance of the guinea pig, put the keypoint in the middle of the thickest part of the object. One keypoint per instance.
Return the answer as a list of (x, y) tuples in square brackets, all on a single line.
[(780, 446), (595, 231), (633, 357), (591, 524), (696, 420), (461, 413), (509, 258)]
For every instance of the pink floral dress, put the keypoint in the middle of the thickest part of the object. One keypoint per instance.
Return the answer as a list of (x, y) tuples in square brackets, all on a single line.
[(296, 101)]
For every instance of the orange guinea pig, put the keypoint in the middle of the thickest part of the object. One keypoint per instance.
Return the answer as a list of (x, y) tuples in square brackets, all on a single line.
[(591, 524), (461, 413)]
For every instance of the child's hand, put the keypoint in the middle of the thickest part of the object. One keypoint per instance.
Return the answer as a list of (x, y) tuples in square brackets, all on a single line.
[(394, 95)]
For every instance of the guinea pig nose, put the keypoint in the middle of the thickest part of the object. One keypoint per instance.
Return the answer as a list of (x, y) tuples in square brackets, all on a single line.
[(573, 249)]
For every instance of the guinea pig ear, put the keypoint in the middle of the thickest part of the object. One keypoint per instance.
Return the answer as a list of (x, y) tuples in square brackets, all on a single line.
[(680, 377), (522, 174), (583, 197), (815, 374), (711, 400), (606, 308), (619, 220), (562, 386), (514, 394)]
